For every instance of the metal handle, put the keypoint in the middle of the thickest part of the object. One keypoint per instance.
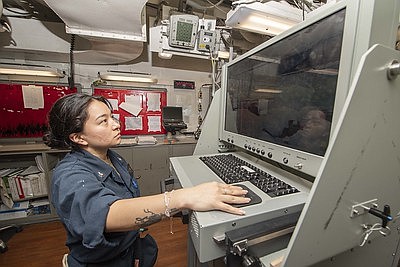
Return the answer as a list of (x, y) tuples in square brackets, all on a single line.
[(393, 70)]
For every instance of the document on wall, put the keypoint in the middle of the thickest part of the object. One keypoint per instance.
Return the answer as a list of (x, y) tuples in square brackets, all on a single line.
[(114, 103), (134, 123), (132, 109), (154, 123), (153, 102), (132, 104), (33, 96)]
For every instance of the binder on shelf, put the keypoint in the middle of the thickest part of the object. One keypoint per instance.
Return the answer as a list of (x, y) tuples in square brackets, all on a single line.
[(39, 163), (25, 183), (30, 170), (20, 191), (18, 210), (5, 196), (13, 188)]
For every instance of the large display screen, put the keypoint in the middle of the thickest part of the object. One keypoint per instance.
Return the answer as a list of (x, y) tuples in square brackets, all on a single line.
[(285, 93)]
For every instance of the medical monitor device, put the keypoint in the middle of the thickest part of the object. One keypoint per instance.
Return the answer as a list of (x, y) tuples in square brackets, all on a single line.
[(282, 99), (183, 30)]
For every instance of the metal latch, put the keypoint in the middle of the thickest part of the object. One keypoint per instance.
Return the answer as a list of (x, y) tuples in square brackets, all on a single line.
[(239, 247)]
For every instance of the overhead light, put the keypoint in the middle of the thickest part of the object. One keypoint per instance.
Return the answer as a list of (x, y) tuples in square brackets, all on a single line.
[(30, 71), (268, 90), (271, 18), (127, 77)]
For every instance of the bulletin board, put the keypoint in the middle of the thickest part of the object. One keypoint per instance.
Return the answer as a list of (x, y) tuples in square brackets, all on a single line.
[(24, 108), (138, 110)]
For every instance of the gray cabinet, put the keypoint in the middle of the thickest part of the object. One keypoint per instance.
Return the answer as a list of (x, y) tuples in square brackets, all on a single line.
[(126, 153), (150, 164), (177, 150)]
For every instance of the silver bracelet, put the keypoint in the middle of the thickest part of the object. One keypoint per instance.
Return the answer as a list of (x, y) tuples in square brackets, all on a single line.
[(167, 199)]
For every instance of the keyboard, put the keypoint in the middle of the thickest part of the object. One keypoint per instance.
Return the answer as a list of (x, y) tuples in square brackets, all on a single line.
[(232, 169), (175, 124)]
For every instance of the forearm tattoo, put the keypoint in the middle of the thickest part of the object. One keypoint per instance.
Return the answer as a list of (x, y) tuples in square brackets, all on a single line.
[(149, 219)]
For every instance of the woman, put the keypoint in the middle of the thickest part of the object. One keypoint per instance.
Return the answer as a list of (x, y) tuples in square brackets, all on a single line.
[(96, 196)]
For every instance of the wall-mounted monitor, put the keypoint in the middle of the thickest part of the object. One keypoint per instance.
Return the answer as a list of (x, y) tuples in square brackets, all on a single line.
[(183, 30)]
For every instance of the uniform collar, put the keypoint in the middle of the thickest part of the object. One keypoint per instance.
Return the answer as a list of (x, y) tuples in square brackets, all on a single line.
[(98, 166)]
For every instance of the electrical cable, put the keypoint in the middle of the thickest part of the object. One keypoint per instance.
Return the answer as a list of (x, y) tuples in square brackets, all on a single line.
[(71, 81)]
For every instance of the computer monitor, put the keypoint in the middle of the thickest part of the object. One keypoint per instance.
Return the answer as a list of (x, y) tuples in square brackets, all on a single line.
[(172, 114), (172, 119), (282, 99)]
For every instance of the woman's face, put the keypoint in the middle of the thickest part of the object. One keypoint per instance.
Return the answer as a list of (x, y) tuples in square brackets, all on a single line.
[(101, 131)]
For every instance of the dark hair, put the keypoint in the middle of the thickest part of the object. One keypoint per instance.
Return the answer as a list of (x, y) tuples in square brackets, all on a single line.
[(68, 115)]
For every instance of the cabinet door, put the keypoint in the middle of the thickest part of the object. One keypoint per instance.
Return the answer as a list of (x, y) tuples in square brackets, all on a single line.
[(150, 157), (150, 180), (150, 166), (177, 150), (126, 153)]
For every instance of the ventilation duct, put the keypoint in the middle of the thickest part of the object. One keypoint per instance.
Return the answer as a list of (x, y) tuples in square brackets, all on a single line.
[(117, 19)]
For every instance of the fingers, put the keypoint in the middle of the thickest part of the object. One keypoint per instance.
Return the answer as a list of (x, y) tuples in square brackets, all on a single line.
[(235, 199), (233, 195), (220, 197), (230, 209), (232, 190)]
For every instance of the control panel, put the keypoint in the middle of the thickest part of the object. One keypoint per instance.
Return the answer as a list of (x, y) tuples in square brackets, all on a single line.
[(206, 41), (300, 162)]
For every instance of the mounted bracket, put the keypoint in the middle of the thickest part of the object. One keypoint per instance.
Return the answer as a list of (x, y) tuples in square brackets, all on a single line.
[(362, 208)]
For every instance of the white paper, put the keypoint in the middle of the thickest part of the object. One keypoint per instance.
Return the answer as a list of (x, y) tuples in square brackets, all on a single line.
[(33, 96), (132, 109), (134, 100), (5, 197), (146, 140), (30, 170), (114, 103), (134, 123), (13, 215), (153, 102), (17, 206), (154, 123)]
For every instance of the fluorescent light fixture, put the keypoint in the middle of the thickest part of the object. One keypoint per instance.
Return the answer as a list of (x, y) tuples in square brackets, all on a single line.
[(270, 18), (30, 71), (127, 77), (268, 90)]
